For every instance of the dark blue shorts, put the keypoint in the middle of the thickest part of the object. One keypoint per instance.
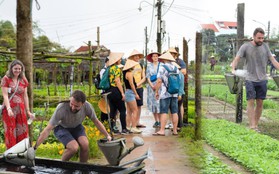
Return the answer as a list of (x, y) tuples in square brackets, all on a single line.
[(169, 103), (256, 90), (140, 93), (65, 135)]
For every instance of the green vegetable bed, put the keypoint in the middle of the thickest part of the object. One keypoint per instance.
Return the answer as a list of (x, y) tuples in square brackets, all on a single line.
[(258, 153)]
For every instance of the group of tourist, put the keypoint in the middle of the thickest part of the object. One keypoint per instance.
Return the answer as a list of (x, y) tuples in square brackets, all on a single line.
[(126, 97), (126, 89), (159, 101)]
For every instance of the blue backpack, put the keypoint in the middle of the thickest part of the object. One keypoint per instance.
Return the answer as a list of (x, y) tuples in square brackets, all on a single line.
[(105, 83), (173, 81)]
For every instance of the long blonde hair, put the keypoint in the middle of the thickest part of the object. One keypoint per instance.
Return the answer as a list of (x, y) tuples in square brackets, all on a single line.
[(15, 62)]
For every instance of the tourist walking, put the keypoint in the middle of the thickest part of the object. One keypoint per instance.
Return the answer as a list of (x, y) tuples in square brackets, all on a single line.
[(139, 75), (167, 101), (117, 95), (16, 104), (131, 96), (183, 70), (104, 115), (151, 77), (256, 53), (181, 93)]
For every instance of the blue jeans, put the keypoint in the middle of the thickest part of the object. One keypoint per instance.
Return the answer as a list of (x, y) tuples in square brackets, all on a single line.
[(169, 103)]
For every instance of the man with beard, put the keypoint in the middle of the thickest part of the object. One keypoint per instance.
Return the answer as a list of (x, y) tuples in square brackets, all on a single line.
[(256, 53), (67, 124)]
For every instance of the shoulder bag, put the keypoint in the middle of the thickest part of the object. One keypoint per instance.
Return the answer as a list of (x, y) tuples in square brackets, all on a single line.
[(2, 106), (153, 78)]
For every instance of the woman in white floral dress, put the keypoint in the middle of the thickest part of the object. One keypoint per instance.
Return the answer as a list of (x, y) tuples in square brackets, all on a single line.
[(151, 76)]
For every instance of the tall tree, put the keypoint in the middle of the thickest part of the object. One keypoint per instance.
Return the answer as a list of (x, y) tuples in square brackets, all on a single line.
[(24, 42), (7, 35)]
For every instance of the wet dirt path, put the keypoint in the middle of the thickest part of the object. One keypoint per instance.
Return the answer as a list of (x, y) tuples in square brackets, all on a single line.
[(167, 154)]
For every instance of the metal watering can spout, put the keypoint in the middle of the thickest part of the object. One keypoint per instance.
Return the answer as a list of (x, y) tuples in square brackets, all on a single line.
[(138, 141), (116, 150), (21, 154)]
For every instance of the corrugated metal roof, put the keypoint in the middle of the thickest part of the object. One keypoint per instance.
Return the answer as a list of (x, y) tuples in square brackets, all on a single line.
[(210, 26)]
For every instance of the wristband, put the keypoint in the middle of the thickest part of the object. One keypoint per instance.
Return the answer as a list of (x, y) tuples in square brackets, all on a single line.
[(9, 108)]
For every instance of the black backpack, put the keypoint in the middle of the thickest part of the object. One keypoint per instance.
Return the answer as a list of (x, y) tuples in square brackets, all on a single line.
[(97, 79)]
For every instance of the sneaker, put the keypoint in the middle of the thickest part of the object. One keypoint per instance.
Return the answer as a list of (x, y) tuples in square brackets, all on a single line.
[(125, 132), (115, 130), (156, 124), (168, 126), (135, 130), (129, 128)]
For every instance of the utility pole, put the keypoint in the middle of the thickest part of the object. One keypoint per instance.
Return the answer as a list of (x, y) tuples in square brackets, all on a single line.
[(240, 35), (146, 40), (98, 55), (98, 48), (159, 28), (90, 67)]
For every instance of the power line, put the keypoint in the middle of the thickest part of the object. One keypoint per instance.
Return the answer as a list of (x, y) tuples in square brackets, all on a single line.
[(168, 8), (2, 2)]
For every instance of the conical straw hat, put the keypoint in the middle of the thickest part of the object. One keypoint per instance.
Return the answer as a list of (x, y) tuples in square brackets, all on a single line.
[(129, 64), (175, 64), (172, 50), (102, 105), (135, 52), (167, 56), (114, 57), (149, 56)]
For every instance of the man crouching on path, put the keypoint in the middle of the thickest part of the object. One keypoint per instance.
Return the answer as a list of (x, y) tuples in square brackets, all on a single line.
[(68, 129)]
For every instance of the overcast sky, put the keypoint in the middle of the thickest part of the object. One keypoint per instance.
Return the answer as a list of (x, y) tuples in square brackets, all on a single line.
[(73, 23)]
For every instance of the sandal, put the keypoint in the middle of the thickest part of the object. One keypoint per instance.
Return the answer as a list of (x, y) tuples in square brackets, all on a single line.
[(158, 134), (141, 126)]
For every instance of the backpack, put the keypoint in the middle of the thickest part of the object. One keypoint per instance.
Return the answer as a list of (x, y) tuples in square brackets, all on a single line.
[(97, 80), (104, 82), (173, 81)]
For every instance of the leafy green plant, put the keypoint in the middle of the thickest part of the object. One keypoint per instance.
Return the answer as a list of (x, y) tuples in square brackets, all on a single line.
[(259, 153), (201, 159)]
